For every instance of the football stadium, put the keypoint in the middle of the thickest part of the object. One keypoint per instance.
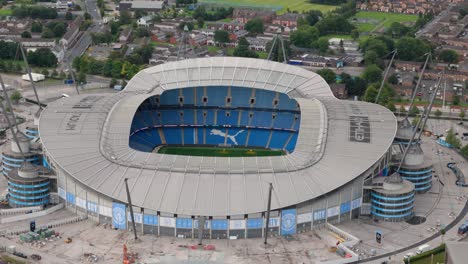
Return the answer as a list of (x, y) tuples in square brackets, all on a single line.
[(204, 138)]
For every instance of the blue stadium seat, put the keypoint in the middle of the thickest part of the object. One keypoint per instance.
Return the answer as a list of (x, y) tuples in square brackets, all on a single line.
[(216, 95), (264, 98), (173, 135), (286, 103), (258, 137), (187, 93), (283, 120), (297, 122), (170, 97), (188, 117), (170, 117), (262, 119), (200, 135), (279, 139), (227, 117), (245, 118), (292, 143), (189, 135), (240, 96)]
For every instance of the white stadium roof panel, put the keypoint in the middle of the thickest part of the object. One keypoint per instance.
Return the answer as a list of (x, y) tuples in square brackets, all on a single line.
[(87, 136)]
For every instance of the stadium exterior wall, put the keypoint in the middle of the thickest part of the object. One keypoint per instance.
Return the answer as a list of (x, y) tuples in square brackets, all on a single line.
[(337, 206)]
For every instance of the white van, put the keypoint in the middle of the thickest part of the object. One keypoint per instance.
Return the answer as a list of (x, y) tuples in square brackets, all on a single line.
[(423, 249)]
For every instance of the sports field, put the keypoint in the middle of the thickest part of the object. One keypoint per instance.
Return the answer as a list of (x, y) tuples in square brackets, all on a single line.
[(5, 12), (280, 6), (368, 21), (219, 151)]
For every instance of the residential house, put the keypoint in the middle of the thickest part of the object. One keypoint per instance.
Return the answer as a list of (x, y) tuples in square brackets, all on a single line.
[(198, 39), (72, 34), (234, 36), (145, 21), (286, 20), (257, 44), (243, 15), (142, 5), (125, 35)]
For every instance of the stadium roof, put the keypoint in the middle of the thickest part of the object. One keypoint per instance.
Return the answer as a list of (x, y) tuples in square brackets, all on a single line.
[(87, 136)]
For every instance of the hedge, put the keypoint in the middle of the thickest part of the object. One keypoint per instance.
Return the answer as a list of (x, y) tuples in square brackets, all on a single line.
[(433, 251)]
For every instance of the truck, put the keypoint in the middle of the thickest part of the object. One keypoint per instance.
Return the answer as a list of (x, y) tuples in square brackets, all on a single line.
[(463, 229), (423, 249), (36, 77)]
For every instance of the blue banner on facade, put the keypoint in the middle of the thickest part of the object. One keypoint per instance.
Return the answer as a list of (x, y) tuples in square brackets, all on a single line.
[(71, 198), (92, 207), (150, 219), (119, 215), (345, 207), (385, 172), (255, 223), (219, 224), (320, 214), (288, 222), (185, 223), (45, 163)]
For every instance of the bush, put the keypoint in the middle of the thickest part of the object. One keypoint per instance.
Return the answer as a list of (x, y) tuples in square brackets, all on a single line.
[(426, 254)]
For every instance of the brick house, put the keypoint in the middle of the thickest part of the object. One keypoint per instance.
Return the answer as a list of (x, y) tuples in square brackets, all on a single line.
[(286, 20), (243, 15)]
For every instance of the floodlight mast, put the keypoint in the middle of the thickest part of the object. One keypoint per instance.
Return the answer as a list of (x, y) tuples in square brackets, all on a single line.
[(413, 96), (28, 69)]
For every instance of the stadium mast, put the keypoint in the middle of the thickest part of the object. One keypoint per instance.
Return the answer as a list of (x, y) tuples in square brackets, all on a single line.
[(424, 116), (385, 76), (131, 208), (28, 69), (184, 45), (8, 119), (413, 96), (278, 38)]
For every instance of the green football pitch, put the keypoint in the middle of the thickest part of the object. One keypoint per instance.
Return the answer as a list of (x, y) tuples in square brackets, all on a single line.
[(218, 151)]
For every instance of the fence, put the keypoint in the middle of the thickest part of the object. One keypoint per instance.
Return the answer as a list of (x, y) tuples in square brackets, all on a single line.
[(53, 224), (22, 210)]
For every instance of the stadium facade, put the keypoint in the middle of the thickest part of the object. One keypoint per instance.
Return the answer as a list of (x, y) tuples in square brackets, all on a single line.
[(94, 141)]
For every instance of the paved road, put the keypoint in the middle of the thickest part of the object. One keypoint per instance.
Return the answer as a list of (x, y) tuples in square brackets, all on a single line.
[(85, 40)]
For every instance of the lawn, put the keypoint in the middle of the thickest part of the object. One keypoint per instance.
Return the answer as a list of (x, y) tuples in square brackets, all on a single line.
[(5, 12), (219, 151), (438, 258), (280, 6), (372, 21)]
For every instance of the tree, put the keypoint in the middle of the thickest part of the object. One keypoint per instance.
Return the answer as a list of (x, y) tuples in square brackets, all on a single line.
[(42, 57), (221, 36), (45, 72), (370, 57), (355, 34), (398, 30), (59, 30), (54, 74), (81, 77), (322, 45), (452, 139), (456, 100), (242, 49), (47, 33), (372, 73), (412, 49), (312, 17), (200, 22), (391, 106), (142, 32), (402, 109), (371, 94), (125, 17), (464, 150), (68, 16), (414, 111), (304, 36), (62, 75), (462, 114), (26, 34), (87, 16), (328, 75), (449, 56), (254, 26), (189, 25), (36, 27), (113, 82), (438, 113), (393, 79), (15, 96)]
